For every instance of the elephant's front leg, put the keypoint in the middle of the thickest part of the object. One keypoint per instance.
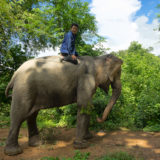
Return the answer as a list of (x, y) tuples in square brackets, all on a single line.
[(82, 132), (86, 88), (83, 122)]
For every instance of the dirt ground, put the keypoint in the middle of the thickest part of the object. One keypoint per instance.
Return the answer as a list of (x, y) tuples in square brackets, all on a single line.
[(140, 144)]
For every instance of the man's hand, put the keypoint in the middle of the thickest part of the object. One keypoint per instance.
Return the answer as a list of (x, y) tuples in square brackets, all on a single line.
[(74, 57)]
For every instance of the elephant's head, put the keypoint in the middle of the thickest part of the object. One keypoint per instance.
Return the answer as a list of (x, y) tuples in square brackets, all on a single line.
[(109, 72)]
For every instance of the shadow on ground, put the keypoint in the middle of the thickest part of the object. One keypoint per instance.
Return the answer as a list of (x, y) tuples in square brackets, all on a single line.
[(58, 143)]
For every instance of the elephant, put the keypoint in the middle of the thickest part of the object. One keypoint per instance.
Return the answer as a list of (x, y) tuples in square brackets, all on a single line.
[(46, 82)]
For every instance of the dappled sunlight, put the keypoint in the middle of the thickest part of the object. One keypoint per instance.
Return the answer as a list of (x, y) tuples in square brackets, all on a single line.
[(60, 144), (32, 151), (100, 134), (144, 134), (23, 139), (140, 144), (123, 132), (137, 142), (124, 129), (157, 151), (131, 134)]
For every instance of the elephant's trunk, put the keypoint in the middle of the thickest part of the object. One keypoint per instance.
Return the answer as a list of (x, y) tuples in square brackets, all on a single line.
[(115, 94)]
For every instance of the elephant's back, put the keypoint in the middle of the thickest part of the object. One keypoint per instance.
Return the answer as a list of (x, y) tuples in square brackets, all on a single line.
[(52, 69), (50, 64), (47, 72)]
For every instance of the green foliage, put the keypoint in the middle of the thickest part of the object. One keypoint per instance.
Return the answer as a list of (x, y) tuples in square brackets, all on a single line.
[(9, 62), (140, 98), (87, 109), (84, 156), (59, 117), (78, 156), (39, 24), (2, 143), (139, 103), (117, 156), (29, 26), (152, 128), (100, 100), (4, 116), (95, 49)]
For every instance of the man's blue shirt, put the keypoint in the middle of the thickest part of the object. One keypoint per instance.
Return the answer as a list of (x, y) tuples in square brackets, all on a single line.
[(68, 44)]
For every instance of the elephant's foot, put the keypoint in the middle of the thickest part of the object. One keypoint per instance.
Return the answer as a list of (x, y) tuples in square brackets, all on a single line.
[(80, 144), (12, 150), (34, 141), (88, 136)]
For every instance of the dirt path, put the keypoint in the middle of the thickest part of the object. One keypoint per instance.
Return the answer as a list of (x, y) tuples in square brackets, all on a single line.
[(140, 144)]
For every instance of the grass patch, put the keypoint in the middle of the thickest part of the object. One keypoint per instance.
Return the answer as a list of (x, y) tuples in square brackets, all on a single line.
[(78, 156), (118, 156), (46, 135), (2, 144), (85, 156)]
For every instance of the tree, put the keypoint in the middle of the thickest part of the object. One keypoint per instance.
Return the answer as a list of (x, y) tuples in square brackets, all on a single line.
[(27, 26), (140, 99), (41, 24)]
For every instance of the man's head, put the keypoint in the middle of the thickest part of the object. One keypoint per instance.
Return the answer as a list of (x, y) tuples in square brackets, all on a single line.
[(74, 28)]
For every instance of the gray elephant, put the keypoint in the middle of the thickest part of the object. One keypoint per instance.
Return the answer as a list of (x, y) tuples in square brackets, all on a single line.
[(47, 82)]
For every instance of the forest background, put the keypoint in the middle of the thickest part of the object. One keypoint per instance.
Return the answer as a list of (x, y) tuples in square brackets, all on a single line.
[(30, 26)]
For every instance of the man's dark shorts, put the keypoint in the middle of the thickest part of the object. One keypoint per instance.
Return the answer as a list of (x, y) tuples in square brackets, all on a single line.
[(68, 58)]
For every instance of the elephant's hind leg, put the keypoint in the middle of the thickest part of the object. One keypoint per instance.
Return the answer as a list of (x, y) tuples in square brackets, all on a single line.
[(34, 139), (18, 115), (12, 147)]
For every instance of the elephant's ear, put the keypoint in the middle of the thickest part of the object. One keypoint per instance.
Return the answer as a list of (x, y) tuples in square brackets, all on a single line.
[(113, 67)]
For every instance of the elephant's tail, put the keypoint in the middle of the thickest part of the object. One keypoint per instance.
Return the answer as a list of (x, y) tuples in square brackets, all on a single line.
[(10, 85)]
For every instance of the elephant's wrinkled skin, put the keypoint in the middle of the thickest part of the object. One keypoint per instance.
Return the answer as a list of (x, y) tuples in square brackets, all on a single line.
[(46, 82)]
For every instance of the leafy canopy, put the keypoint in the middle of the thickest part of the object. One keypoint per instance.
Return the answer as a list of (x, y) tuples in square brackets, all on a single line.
[(39, 24)]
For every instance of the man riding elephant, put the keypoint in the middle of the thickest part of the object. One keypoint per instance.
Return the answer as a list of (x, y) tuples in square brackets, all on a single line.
[(45, 82), (68, 50)]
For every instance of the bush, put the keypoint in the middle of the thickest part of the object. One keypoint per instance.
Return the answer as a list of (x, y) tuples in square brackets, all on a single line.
[(152, 128)]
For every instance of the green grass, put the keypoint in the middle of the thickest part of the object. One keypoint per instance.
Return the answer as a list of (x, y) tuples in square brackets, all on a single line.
[(118, 156), (85, 156), (2, 143), (78, 156)]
